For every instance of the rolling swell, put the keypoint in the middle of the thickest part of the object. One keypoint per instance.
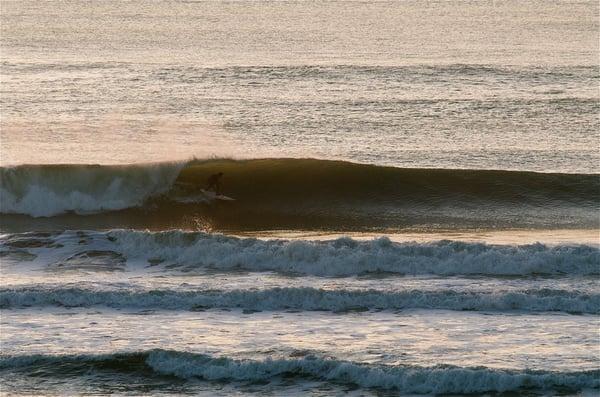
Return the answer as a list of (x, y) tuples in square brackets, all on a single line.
[(440, 379), (298, 194)]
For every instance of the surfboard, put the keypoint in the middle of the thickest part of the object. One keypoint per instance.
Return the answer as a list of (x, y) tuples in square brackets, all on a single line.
[(214, 196)]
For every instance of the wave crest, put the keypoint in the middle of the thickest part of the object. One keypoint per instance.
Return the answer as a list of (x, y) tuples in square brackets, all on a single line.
[(341, 257), (304, 193), (305, 298), (348, 257), (405, 378)]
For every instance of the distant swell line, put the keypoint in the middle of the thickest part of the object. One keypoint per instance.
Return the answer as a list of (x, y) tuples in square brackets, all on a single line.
[(304, 298), (405, 378)]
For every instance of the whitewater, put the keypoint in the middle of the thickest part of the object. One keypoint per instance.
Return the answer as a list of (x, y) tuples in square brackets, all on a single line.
[(416, 195), (243, 311)]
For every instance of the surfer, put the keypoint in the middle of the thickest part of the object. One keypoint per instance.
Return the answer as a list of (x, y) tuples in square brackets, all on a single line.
[(214, 183)]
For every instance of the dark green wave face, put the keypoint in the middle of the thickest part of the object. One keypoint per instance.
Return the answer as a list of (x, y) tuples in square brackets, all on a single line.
[(288, 194)]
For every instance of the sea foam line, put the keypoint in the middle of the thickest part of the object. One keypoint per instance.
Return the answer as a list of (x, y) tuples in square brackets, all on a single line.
[(304, 298), (405, 378), (199, 251), (347, 257)]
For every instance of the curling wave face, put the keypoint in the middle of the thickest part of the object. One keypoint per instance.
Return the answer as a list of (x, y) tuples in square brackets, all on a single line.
[(293, 194)]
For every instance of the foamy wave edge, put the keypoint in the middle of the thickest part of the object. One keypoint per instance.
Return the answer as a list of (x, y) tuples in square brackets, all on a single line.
[(341, 257), (44, 191), (405, 378), (347, 257), (304, 298)]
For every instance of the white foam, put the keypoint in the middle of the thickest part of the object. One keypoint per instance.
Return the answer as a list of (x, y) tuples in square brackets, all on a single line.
[(346, 257), (46, 191), (303, 298), (200, 252), (439, 379), (409, 379)]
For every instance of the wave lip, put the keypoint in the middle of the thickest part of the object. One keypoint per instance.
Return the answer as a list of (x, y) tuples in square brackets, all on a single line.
[(304, 298), (405, 378), (348, 257)]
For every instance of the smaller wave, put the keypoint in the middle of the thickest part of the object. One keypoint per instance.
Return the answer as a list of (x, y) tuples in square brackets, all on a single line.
[(304, 298), (348, 257), (405, 378), (197, 251)]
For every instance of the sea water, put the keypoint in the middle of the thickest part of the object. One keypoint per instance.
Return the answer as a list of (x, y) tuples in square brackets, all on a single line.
[(416, 184)]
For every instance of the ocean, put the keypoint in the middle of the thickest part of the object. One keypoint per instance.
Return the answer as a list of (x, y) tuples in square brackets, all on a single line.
[(415, 185)]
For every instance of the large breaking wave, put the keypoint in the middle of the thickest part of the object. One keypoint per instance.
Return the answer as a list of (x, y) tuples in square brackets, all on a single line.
[(297, 193), (439, 379)]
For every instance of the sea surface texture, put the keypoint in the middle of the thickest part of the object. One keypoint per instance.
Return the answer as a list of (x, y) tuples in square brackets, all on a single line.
[(416, 195)]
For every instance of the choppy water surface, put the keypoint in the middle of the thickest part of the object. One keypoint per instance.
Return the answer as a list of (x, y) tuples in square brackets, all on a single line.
[(416, 198), (510, 85)]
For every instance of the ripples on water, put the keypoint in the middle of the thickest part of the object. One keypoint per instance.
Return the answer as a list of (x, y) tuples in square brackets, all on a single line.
[(404, 84)]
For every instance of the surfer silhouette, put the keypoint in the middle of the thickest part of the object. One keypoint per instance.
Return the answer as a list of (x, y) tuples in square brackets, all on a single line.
[(214, 183)]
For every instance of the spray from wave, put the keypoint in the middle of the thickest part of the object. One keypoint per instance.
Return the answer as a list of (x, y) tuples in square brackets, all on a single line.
[(47, 190)]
